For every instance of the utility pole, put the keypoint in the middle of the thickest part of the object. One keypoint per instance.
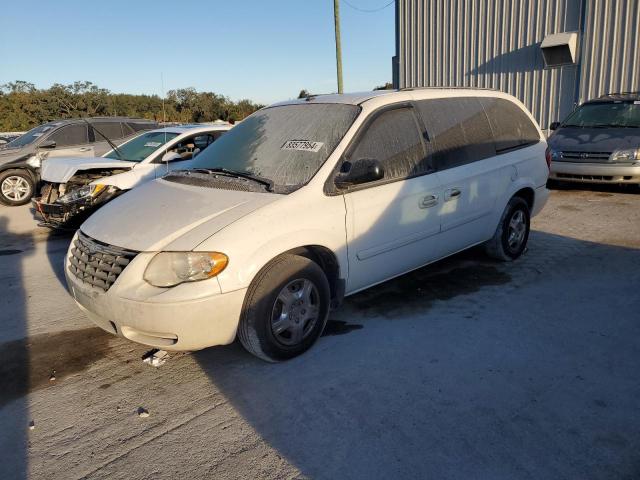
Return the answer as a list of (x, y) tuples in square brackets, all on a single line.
[(336, 19)]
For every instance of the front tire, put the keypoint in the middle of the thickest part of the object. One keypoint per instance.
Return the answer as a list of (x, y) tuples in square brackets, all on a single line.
[(16, 187), (285, 310), (510, 238)]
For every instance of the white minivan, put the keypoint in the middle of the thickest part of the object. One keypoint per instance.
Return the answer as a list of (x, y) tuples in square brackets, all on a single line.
[(304, 203)]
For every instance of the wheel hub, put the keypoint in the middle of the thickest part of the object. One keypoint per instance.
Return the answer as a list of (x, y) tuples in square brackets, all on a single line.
[(517, 230), (295, 312), (15, 188)]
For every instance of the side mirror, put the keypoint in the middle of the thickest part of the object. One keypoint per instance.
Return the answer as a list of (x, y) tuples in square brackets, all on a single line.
[(48, 144), (170, 156), (554, 125), (361, 171)]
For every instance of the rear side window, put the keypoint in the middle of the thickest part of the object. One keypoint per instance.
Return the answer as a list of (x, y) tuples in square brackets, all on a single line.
[(393, 139), (140, 126), (70, 135), (458, 130), (511, 127), (112, 130)]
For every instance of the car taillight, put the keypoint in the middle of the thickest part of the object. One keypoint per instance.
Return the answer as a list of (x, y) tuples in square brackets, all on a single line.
[(547, 157)]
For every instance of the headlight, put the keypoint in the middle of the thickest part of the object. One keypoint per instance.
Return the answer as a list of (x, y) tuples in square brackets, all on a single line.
[(554, 154), (35, 161), (82, 193), (627, 155), (167, 269)]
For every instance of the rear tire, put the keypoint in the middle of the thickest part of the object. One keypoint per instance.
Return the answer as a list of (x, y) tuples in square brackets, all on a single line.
[(16, 187), (285, 309), (510, 238)]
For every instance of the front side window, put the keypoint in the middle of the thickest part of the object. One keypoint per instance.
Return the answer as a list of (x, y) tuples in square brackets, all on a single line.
[(70, 135), (140, 147), (30, 137), (605, 115), (284, 144), (511, 127), (393, 139)]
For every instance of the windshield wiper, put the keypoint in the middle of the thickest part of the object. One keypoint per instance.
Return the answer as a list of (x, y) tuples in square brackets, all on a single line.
[(233, 173), (111, 144)]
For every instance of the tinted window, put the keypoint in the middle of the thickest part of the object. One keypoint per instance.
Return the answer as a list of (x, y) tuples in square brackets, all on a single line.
[(393, 139), (70, 135), (139, 126), (511, 127), (111, 130), (127, 129), (458, 131)]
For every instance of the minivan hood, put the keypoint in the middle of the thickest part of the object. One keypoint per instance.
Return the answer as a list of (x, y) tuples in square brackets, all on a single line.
[(61, 169), (594, 139), (164, 215)]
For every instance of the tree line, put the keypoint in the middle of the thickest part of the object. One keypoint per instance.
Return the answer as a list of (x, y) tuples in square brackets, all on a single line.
[(23, 106)]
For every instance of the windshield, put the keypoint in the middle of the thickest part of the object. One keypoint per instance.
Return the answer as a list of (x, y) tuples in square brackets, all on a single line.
[(30, 137), (609, 114), (139, 148), (285, 145)]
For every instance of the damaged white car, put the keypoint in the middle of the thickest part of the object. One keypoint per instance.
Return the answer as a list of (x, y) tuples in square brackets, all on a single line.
[(72, 188)]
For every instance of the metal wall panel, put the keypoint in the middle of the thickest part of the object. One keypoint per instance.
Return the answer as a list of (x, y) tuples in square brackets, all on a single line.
[(496, 44), (611, 57)]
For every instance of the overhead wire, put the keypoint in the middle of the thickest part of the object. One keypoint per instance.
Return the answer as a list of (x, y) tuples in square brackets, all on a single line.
[(368, 10)]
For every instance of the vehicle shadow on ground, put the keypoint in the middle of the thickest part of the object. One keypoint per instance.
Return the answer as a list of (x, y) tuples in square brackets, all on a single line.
[(593, 187), (14, 414), (465, 369)]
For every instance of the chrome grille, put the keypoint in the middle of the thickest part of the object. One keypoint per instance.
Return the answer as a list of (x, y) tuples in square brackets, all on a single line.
[(594, 156), (97, 264)]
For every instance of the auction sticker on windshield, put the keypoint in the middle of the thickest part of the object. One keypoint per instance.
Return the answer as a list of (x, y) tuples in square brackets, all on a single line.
[(302, 145), (153, 144)]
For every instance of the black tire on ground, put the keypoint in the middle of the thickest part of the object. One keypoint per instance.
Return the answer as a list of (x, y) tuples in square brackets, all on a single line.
[(508, 243), (263, 307), (21, 178)]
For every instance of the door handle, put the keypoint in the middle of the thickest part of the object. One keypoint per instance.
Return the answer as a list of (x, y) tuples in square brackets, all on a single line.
[(428, 201), (452, 194)]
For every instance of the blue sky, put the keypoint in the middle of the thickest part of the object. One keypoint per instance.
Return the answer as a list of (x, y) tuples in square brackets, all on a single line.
[(262, 50)]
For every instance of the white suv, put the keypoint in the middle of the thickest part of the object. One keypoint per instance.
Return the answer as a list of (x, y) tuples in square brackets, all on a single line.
[(305, 202)]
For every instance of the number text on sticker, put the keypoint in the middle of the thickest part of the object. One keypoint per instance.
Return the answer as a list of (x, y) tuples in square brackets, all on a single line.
[(302, 145)]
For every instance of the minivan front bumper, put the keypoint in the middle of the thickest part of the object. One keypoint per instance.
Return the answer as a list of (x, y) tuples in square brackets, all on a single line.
[(594, 172), (191, 324)]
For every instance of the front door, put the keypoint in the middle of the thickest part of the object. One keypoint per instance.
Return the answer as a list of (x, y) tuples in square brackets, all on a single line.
[(392, 224)]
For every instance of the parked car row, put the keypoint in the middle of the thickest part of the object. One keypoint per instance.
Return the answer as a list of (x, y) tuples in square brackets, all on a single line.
[(259, 234), (20, 159)]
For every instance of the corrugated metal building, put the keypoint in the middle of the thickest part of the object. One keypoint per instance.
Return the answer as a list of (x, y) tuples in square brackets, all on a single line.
[(551, 54)]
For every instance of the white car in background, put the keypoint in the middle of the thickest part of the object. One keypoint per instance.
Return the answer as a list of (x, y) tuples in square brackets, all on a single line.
[(305, 202), (72, 188)]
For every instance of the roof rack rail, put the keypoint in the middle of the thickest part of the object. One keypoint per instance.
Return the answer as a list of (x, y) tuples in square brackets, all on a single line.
[(617, 94), (407, 89)]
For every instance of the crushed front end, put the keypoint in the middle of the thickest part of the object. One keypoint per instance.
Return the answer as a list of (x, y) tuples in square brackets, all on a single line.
[(67, 205)]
